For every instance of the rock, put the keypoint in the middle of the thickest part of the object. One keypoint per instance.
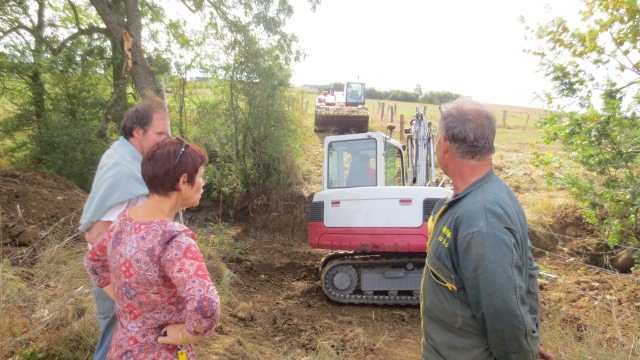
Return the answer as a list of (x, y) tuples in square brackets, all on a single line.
[(623, 261)]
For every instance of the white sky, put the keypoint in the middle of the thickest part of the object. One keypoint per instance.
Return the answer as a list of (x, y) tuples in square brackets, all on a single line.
[(471, 47)]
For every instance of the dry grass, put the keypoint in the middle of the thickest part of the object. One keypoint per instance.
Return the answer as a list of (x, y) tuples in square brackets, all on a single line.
[(599, 334), (47, 310)]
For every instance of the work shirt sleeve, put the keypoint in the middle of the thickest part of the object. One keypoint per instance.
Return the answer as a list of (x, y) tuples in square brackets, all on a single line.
[(496, 277), (183, 263), (533, 299)]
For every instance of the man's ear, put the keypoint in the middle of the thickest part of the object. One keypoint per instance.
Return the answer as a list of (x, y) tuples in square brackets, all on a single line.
[(138, 132), (444, 144)]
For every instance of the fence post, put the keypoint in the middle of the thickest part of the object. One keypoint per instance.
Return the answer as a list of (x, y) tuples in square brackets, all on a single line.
[(424, 111), (382, 112), (527, 123), (504, 118), (401, 127), (392, 111)]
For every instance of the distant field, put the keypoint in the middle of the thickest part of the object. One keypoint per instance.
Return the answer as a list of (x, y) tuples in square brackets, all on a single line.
[(510, 117)]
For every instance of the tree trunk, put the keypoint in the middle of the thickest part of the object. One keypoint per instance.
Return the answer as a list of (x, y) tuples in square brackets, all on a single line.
[(116, 105), (36, 83), (129, 20)]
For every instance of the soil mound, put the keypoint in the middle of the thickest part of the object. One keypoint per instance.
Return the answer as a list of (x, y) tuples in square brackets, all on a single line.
[(34, 206)]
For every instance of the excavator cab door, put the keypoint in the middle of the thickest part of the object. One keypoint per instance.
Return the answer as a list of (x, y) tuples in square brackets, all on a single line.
[(352, 163)]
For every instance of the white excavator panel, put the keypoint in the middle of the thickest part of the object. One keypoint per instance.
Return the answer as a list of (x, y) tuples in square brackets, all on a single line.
[(366, 207)]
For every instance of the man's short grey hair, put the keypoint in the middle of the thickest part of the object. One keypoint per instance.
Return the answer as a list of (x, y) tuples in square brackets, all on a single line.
[(469, 127)]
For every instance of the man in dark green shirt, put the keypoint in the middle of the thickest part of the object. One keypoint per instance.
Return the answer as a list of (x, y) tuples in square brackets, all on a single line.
[(480, 289)]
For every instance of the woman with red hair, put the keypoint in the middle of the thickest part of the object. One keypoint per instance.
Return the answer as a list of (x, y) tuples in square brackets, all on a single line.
[(152, 267)]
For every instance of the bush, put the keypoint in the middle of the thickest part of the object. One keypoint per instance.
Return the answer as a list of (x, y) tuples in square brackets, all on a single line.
[(605, 143)]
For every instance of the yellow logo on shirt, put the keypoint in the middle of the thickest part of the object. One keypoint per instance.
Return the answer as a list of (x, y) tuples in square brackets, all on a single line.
[(446, 238)]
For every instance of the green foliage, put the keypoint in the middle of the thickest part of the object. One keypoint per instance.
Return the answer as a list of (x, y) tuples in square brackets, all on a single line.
[(375, 94), (71, 152), (64, 141), (417, 95), (58, 71), (401, 95), (337, 86), (216, 243), (249, 123), (418, 91), (54, 88), (430, 97), (225, 246), (605, 144), (222, 176), (439, 97), (599, 129)]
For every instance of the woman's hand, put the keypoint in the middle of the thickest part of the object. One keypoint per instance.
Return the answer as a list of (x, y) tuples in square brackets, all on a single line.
[(176, 334)]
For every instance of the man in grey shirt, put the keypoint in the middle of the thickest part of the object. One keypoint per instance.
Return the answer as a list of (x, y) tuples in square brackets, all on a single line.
[(118, 185)]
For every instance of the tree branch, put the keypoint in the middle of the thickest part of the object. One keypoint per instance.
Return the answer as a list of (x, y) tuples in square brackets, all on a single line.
[(15, 29), (79, 33), (76, 17), (633, 68), (184, 2)]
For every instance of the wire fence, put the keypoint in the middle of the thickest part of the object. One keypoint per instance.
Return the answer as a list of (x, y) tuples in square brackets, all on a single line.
[(574, 262)]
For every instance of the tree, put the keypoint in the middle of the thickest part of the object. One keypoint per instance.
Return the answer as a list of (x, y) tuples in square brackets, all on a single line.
[(402, 95), (25, 30), (50, 79), (67, 67), (246, 121), (595, 70), (125, 19), (418, 91), (439, 97)]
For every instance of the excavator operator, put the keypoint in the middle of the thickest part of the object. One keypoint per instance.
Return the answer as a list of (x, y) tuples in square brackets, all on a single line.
[(360, 172)]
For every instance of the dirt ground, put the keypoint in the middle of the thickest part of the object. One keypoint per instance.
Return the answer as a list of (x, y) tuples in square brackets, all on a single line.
[(279, 310), (284, 313), (34, 206)]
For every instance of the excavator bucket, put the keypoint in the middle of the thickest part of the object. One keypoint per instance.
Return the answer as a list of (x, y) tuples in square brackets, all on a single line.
[(341, 119)]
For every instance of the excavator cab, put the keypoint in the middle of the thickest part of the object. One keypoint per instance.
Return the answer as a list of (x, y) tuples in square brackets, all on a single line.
[(370, 159)]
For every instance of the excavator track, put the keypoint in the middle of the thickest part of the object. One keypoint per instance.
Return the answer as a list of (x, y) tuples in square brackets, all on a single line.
[(373, 278)]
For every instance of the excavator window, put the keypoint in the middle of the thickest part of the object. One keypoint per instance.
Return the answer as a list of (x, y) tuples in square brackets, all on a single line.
[(393, 166), (352, 163), (360, 171)]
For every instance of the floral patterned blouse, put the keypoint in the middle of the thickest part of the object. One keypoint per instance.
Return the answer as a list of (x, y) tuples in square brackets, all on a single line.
[(159, 278)]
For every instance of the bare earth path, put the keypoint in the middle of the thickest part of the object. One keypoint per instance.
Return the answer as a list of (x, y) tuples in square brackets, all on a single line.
[(283, 313)]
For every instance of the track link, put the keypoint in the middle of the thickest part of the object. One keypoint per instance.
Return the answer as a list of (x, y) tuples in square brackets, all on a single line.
[(341, 277)]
